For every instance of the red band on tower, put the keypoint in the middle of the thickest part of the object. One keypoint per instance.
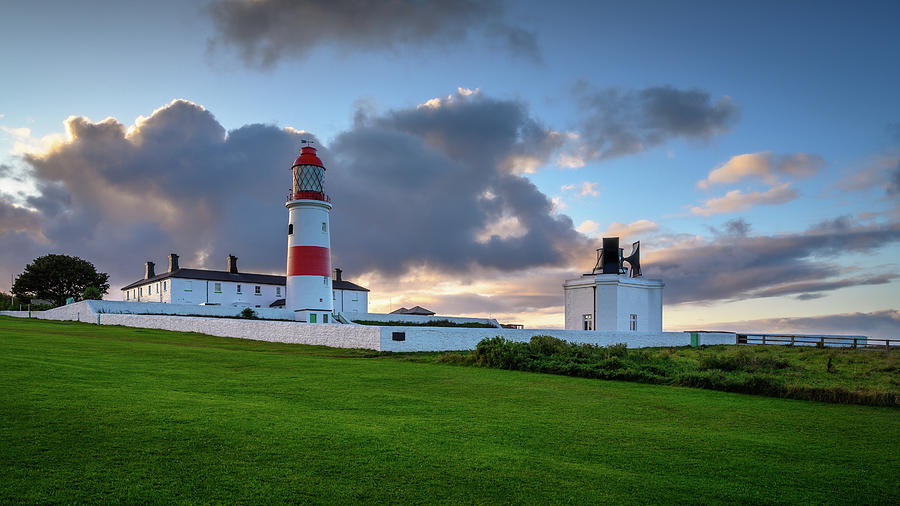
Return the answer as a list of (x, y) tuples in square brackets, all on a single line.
[(308, 261)]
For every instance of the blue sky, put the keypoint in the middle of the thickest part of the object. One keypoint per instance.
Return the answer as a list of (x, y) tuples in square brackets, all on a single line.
[(816, 79)]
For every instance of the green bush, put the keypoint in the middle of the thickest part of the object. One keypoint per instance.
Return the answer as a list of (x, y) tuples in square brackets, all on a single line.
[(248, 313), (742, 369)]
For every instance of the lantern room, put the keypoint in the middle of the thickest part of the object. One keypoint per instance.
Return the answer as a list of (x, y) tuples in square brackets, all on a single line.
[(308, 176)]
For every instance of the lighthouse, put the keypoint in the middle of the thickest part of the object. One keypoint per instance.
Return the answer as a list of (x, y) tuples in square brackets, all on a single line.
[(308, 283)]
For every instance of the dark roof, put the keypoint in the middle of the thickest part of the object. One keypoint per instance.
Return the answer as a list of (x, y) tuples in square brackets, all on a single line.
[(419, 310), (277, 303), (346, 285), (241, 277)]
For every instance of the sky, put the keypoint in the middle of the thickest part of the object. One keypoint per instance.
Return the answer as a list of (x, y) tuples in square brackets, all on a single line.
[(476, 152)]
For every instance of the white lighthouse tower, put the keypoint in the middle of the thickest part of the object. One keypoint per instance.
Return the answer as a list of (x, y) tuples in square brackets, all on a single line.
[(309, 242)]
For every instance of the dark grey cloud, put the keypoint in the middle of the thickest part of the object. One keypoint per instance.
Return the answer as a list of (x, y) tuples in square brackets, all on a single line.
[(808, 289), (735, 268), (434, 178), (411, 187), (617, 122), (737, 227), (266, 31), (877, 324)]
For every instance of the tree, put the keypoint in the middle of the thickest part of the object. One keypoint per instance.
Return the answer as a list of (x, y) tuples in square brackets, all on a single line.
[(57, 277), (91, 293)]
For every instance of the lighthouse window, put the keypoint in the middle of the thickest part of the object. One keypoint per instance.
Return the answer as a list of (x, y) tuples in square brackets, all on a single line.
[(256, 291), (278, 291), (239, 289), (290, 228), (323, 227)]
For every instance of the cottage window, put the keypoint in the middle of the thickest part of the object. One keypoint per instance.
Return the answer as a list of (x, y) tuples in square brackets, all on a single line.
[(257, 290), (164, 286), (312, 317), (632, 323), (239, 289), (217, 287), (278, 291), (187, 286)]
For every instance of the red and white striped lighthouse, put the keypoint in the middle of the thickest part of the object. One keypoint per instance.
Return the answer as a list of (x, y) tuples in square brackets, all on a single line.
[(308, 287)]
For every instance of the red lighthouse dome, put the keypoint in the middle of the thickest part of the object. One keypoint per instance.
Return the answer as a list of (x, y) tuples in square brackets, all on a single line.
[(308, 157), (308, 176)]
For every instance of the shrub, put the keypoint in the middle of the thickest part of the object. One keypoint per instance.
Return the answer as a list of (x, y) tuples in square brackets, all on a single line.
[(248, 313)]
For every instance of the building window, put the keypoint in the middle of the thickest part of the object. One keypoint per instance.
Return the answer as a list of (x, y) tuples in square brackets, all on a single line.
[(398, 336), (141, 289), (149, 289), (217, 287), (355, 297), (588, 322), (324, 227), (127, 295), (312, 317), (164, 286), (290, 228), (278, 291), (257, 291), (187, 286), (239, 289), (632, 322), (324, 318)]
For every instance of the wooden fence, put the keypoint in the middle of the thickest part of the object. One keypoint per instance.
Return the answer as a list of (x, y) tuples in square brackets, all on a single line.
[(814, 340)]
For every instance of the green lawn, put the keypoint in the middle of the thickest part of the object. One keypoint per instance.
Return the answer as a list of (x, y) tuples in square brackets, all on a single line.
[(112, 414)]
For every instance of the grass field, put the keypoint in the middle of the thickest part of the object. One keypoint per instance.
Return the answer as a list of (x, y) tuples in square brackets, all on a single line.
[(113, 414)]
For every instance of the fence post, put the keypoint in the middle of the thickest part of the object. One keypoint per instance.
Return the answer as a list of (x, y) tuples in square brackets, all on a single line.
[(854, 342), (764, 339), (792, 340)]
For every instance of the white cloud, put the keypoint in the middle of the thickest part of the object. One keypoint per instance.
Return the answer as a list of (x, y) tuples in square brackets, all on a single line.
[(736, 200), (585, 189), (764, 166)]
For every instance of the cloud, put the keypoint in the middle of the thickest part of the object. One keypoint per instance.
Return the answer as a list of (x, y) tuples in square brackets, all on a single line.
[(266, 31), (628, 232), (724, 268), (429, 191), (881, 172), (764, 166), (877, 324), (737, 200), (417, 186), (617, 122), (585, 189)]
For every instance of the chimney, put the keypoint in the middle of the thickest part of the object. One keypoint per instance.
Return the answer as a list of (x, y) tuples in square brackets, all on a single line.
[(336, 275), (173, 262), (232, 264), (148, 273)]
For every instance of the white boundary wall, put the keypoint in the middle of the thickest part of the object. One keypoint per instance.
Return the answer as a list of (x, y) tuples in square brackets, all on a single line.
[(349, 336), (455, 338)]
